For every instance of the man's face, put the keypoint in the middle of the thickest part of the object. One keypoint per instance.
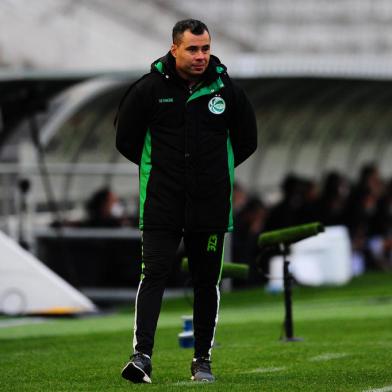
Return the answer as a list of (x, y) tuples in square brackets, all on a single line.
[(192, 54)]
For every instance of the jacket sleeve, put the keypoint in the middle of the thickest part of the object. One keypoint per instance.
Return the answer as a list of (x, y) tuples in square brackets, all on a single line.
[(131, 125), (243, 129)]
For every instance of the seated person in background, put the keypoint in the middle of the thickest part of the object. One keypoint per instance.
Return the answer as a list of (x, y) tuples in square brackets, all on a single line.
[(331, 204), (240, 198), (104, 209), (286, 212), (380, 243), (359, 218), (310, 198), (248, 225)]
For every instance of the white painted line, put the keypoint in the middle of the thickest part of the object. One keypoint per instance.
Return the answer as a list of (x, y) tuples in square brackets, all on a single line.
[(328, 357), (188, 383), (266, 370), (385, 389), (21, 321)]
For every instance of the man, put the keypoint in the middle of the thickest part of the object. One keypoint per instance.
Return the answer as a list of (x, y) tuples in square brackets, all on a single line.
[(187, 126)]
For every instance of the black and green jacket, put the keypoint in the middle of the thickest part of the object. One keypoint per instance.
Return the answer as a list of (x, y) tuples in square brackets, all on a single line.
[(186, 143)]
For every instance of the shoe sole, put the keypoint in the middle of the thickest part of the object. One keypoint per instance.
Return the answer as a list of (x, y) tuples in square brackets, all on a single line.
[(202, 379), (135, 374)]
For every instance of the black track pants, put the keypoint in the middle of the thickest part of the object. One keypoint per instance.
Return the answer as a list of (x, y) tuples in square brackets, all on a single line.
[(204, 251)]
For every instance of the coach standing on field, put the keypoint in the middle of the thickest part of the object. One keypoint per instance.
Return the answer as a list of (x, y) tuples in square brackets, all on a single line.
[(186, 125)]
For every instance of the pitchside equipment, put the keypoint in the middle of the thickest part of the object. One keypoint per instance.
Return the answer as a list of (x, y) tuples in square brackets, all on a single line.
[(186, 338), (229, 270), (27, 286), (282, 239)]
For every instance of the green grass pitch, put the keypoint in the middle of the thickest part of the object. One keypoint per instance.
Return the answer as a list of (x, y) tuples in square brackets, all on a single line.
[(347, 345)]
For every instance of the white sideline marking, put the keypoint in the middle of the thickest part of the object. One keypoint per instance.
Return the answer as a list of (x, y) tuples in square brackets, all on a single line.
[(385, 389), (328, 357), (22, 321), (188, 383), (266, 370)]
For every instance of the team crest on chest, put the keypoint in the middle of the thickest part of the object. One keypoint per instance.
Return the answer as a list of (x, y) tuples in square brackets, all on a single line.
[(217, 105)]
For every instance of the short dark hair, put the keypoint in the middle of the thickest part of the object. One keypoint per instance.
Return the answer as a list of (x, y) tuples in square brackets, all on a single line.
[(195, 26)]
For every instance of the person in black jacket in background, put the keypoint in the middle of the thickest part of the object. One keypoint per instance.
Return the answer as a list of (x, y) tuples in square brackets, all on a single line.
[(187, 126)]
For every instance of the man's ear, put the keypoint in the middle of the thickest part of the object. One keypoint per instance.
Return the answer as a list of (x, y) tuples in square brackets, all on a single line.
[(173, 50)]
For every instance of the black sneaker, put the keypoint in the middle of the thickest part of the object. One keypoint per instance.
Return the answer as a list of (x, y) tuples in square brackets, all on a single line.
[(201, 370), (138, 369)]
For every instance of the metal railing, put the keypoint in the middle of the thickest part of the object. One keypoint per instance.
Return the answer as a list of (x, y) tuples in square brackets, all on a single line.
[(35, 204)]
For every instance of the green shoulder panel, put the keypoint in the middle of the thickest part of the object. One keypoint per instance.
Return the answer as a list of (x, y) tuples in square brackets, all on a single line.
[(211, 89)]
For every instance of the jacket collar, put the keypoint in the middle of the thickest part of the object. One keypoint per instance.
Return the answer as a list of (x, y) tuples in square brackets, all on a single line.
[(166, 66)]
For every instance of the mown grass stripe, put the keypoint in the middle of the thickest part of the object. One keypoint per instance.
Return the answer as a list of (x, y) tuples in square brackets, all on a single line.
[(385, 389)]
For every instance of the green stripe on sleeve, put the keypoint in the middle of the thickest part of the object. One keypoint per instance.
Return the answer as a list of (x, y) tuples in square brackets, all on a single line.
[(145, 170), (230, 162), (222, 258)]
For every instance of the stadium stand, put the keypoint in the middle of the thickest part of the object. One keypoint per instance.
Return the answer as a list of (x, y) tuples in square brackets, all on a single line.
[(96, 34)]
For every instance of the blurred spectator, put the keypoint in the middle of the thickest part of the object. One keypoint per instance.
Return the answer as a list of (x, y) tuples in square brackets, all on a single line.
[(330, 207), (248, 224), (360, 218), (309, 208), (365, 209), (240, 197), (104, 209), (383, 216), (286, 212), (369, 180), (380, 241)]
